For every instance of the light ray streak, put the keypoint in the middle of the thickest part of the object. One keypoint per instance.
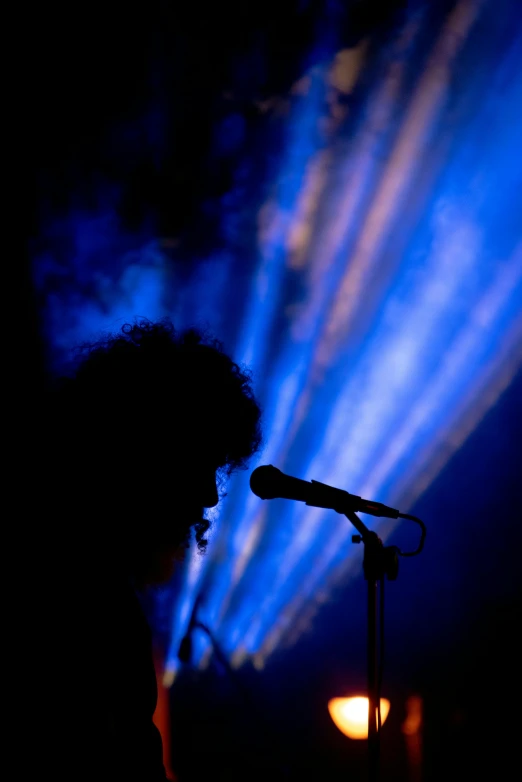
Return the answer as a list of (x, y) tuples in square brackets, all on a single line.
[(301, 542), (380, 385), (360, 171), (425, 107), (504, 295), (463, 353), (324, 252), (365, 393), (287, 404), (495, 380), (253, 622), (261, 311), (264, 297)]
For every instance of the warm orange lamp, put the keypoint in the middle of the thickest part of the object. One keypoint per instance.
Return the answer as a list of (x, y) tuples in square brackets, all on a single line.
[(351, 715)]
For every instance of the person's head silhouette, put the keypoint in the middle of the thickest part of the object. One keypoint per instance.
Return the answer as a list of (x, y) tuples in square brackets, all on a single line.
[(147, 426)]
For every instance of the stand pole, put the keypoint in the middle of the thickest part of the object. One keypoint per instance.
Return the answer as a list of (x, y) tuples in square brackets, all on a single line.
[(373, 736), (375, 566)]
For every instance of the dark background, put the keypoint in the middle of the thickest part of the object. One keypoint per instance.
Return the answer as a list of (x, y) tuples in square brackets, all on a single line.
[(132, 94)]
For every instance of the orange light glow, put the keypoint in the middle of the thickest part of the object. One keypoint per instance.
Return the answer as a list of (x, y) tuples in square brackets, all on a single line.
[(351, 715)]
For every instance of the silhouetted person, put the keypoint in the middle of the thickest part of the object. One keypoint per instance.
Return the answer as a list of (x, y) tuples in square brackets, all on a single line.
[(135, 444)]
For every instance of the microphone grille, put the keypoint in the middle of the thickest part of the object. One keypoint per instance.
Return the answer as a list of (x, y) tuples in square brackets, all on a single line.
[(263, 481)]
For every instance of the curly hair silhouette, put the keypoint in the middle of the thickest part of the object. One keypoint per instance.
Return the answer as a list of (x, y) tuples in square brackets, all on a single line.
[(146, 422)]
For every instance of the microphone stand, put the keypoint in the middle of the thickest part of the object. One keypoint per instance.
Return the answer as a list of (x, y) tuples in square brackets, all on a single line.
[(378, 562), (267, 482)]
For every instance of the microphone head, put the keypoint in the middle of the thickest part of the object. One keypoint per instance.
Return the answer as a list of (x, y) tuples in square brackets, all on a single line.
[(264, 481)]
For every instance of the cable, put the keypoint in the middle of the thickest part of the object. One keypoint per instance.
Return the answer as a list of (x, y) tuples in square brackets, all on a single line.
[(422, 539), (271, 737)]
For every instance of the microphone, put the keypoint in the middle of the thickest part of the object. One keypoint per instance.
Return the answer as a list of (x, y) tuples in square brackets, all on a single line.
[(269, 483)]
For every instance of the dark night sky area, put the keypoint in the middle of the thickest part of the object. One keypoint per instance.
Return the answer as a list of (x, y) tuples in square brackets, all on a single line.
[(114, 83)]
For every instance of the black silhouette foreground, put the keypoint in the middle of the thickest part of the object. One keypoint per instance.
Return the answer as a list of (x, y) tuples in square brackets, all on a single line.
[(136, 443)]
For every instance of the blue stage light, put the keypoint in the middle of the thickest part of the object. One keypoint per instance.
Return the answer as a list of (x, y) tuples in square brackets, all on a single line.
[(412, 321), (383, 317)]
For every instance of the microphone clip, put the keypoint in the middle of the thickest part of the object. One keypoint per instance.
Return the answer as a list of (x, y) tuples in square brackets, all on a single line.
[(379, 560)]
